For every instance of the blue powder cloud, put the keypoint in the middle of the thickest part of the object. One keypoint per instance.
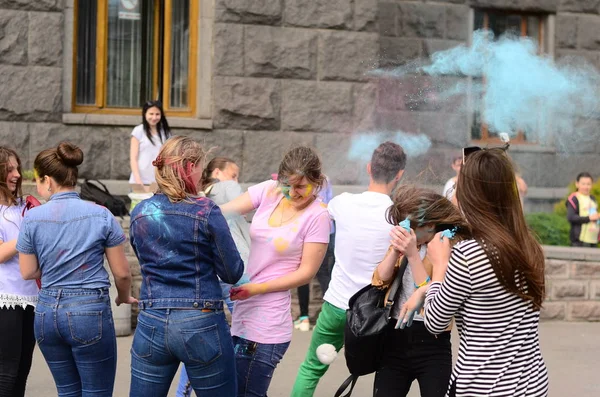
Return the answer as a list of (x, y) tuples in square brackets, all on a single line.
[(363, 145), (515, 88)]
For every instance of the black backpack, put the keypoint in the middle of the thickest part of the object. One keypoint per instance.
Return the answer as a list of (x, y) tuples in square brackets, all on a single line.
[(92, 192), (364, 336)]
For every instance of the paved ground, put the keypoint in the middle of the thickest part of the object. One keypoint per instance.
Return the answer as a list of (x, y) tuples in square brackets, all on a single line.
[(571, 351)]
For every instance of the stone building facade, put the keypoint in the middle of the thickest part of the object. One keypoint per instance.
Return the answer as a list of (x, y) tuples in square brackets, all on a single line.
[(272, 73)]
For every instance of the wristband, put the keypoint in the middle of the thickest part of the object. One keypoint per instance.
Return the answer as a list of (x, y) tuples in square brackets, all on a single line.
[(424, 283)]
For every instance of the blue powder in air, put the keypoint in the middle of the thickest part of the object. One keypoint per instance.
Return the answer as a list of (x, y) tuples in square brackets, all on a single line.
[(364, 144)]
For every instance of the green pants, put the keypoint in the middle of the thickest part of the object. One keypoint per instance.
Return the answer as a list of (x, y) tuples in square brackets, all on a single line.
[(329, 329)]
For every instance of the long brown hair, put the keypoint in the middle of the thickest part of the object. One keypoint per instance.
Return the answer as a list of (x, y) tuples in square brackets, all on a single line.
[(60, 163), (174, 167), (6, 196), (488, 197), (219, 163), (425, 207)]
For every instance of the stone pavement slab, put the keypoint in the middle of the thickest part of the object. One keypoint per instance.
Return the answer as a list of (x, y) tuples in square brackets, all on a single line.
[(571, 351)]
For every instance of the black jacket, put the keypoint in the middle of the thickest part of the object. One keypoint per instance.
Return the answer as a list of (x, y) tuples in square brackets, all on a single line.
[(574, 218)]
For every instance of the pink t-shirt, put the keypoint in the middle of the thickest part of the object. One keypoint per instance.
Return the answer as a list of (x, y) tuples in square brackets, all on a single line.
[(275, 252)]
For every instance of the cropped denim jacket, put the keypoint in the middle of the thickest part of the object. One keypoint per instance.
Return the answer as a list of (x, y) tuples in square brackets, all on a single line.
[(182, 248)]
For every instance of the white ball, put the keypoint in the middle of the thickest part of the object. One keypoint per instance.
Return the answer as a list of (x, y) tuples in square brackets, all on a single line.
[(326, 353)]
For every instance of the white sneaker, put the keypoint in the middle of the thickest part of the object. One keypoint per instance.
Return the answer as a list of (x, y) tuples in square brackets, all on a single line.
[(302, 324)]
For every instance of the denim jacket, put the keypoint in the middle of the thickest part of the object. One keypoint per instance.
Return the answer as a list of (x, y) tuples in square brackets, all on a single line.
[(182, 248), (68, 236)]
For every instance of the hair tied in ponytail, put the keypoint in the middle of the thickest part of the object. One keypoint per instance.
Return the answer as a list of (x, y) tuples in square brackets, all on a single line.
[(159, 162)]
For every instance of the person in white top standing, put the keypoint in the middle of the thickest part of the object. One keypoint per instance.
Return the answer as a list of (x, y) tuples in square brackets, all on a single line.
[(450, 186), (146, 141), (361, 242), (18, 297)]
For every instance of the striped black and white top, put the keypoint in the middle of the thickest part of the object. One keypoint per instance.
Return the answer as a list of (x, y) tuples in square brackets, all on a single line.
[(499, 353)]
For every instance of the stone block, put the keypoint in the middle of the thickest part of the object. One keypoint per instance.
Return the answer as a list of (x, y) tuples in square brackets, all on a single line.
[(566, 31), (30, 93), (365, 15), (589, 32), (120, 139), (519, 5), (553, 311), (228, 49), (264, 150), (365, 101), (347, 55), (447, 128), (594, 290), (228, 143), (398, 51), (280, 52), (13, 37), (337, 163), (37, 5), (569, 290), (581, 6), (16, 136), (421, 20), (556, 269), (336, 14), (247, 103), (316, 106), (396, 120), (45, 38), (93, 141), (134, 265), (267, 12), (583, 311), (431, 46), (585, 270), (388, 19), (457, 23)]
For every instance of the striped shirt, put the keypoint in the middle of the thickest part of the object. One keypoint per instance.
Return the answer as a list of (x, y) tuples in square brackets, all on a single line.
[(499, 352)]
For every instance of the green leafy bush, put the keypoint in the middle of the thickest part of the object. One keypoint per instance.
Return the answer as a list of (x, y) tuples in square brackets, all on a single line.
[(28, 175), (550, 229)]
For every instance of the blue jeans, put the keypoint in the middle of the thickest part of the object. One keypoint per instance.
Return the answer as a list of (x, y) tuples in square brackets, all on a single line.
[(184, 388), (164, 338), (75, 332), (255, 364)]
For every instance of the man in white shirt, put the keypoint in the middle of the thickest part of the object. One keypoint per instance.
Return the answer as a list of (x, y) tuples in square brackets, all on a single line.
[(361, 242)]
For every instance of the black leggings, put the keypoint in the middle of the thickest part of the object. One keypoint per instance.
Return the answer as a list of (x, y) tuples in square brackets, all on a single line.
[(323, 276), (16, 349), (413, 353)]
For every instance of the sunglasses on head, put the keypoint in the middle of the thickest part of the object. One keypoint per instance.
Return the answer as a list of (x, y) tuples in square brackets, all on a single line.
[(467, 151)]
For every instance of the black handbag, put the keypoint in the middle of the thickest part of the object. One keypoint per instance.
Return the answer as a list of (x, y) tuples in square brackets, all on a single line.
[(367, 317)]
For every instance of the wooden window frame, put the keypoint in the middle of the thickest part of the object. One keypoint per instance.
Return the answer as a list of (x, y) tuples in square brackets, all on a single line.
[(520, 138), (101, 62)]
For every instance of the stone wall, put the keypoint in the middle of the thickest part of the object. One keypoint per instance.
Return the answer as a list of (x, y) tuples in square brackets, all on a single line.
[(286, 72), (573, 284)]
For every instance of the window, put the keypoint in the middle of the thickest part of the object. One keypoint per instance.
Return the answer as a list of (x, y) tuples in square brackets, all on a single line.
[(500, 23), (130, 51)]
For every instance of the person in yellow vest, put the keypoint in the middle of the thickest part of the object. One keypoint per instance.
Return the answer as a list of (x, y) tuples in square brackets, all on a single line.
[(582, 213)]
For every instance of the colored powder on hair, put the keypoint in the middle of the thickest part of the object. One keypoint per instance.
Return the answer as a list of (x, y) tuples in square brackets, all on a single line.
[(405, 224)]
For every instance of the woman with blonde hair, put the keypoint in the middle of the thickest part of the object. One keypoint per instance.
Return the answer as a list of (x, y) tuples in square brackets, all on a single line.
[(184, 246), (412, 352), (492, 283), (289, 235)]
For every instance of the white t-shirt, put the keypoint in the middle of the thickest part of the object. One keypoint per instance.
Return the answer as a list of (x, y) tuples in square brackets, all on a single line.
[(14, 291), (361, 242), (147, 153), (449, 188)]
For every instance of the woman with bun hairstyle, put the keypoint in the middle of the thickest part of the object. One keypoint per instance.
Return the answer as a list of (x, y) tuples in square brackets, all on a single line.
[(64, 242), (146, 141), (17, 296)]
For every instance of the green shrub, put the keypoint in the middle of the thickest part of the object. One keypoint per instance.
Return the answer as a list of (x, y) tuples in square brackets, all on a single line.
[(550, 229), (28, 175)]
